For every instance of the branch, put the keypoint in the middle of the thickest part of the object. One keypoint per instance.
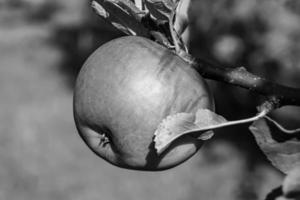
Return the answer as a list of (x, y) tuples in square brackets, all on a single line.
[(242, 78)]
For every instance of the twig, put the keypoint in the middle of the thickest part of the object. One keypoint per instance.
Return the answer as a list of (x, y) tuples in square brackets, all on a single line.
[(242, 78)]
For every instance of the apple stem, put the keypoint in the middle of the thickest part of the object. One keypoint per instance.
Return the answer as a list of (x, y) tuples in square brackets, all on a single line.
[(265, 108), (280, 127), (241, 121)]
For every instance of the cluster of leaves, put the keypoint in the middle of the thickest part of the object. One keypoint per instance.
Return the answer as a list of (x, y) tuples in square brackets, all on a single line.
[(152, 19), (164, 21)]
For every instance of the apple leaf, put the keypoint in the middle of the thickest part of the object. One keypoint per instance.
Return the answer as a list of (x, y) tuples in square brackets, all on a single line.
[(175, 126), (162, 9), (198, 125), (122, 14), (181, 18), (170, 10), (174, 12), (281, 148)]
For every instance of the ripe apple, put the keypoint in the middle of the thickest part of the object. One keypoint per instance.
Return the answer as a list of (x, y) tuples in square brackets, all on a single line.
[(124, 91)]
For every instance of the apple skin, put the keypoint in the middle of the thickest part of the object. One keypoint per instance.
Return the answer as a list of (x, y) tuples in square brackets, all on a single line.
[(124, 91)]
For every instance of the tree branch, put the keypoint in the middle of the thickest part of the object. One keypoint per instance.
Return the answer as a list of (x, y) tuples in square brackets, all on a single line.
[(242, 78)]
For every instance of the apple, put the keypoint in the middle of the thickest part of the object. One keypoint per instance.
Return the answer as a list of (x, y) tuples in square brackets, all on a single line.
[(124, 91)]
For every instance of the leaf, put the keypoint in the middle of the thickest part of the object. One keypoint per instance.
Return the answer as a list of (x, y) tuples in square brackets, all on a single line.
[(162, 9), (175, 126), (122, 14), (205, 117), (139, 4), (282, 149), (181, 18), (174, 11), (291, 183)]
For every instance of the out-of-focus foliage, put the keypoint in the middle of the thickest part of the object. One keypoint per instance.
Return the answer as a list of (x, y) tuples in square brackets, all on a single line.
[(263, 36), (290, 188), (250, 32), (43, 45), (291, 183)]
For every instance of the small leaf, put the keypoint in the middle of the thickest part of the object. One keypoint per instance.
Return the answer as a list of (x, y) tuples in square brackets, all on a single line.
[(282, 149), (139, 4), (175, 126), (182, 16), (205, 117), (100, 10), (122, 14), (174, 12), (161, 9)]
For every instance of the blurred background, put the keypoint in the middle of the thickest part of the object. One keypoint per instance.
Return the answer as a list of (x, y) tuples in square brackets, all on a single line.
[(43, 44)]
